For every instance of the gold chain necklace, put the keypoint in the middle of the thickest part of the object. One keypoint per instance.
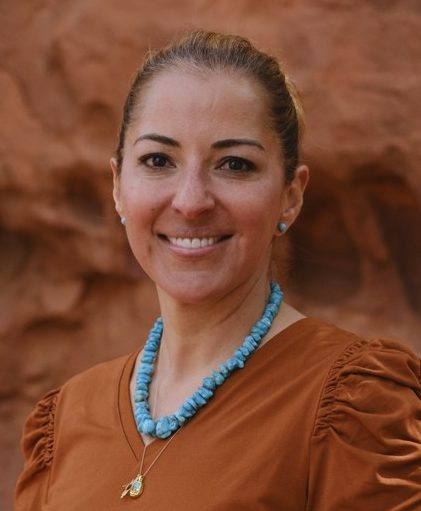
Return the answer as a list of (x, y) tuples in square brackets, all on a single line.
[(136, 486)]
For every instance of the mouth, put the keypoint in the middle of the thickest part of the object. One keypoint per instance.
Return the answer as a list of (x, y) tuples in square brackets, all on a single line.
[(194, 243)]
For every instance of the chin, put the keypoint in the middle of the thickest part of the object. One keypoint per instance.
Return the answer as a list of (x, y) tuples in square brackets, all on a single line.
[(194, 289)]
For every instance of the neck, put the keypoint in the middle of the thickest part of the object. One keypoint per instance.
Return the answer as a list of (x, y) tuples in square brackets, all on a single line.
[(197, 339), (201, 336)]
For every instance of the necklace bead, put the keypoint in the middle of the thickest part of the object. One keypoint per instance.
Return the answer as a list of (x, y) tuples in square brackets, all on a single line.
[(165, 426)]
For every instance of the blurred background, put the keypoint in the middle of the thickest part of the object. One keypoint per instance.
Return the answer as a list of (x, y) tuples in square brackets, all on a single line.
[(71, 294)]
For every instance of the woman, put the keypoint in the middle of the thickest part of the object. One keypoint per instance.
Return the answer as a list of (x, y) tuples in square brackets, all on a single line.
[(237, 401)]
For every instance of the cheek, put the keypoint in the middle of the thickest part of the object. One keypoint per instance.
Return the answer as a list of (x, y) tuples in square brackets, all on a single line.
[(140, 214), (260, 211), (140, 202)]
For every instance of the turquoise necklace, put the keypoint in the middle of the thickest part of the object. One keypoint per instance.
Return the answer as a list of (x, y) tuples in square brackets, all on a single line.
[(166, 425)]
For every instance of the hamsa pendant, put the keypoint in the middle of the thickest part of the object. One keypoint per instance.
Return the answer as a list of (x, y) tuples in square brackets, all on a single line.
[(134, 489)]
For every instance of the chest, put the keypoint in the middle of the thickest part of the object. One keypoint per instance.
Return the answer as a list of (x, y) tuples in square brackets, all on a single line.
[(247, 449)]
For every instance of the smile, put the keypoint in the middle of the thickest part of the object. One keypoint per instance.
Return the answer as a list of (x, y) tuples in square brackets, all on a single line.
[(193, 243)]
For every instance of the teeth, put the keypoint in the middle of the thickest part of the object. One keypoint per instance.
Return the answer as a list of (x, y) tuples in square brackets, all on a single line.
[(193, 242)]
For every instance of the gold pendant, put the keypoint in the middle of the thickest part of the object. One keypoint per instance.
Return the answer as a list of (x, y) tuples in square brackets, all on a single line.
[(134, 488)]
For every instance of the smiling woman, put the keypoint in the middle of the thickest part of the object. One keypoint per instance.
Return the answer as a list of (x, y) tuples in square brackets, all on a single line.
[(206, 176), (212, 170)]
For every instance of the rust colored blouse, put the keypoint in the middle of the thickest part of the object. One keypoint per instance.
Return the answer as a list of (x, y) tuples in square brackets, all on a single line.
[(318, 420)]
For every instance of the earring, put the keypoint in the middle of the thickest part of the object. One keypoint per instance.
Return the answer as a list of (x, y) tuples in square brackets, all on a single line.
[(123, 220), (282, 227)]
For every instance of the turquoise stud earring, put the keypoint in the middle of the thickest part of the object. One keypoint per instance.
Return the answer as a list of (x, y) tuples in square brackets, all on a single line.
[(123, 220), (282, 227)]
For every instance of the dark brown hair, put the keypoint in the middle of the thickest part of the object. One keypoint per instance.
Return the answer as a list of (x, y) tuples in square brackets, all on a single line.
[(203, 50)]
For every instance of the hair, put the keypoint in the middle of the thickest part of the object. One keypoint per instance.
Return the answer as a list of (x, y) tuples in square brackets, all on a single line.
[(203, 50)]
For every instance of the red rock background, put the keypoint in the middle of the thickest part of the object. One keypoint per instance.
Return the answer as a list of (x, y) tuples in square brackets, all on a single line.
[(70, 294)]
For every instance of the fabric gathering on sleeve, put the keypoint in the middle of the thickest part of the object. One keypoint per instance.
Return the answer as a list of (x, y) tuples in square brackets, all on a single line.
[(38, 449), (366, 444)]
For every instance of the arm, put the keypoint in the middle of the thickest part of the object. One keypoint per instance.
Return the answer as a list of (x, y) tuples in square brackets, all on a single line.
[(366, 446), (38, 449)]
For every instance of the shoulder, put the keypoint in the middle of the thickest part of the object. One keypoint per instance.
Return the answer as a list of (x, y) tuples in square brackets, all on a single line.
[(37, 446), (376, 376), (102, 375), (87, 390), (366, 441), (341, 351), (319, 345), (342, 362), (38, 435), (92, 396)]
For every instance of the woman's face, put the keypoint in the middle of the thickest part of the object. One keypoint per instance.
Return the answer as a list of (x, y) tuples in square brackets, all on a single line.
[(202, 184)]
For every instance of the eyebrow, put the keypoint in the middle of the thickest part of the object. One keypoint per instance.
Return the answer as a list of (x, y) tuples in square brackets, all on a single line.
[(219, 144), (158, 138), (232, 142)]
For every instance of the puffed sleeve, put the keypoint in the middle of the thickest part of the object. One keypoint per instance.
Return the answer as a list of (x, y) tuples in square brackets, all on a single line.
[(38, 446), (366, 445)]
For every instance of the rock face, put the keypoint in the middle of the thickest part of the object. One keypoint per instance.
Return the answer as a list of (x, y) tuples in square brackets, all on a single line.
[(70, 293)]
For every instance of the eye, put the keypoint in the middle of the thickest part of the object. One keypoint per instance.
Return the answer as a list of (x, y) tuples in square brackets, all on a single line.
[(155, 161), (236, 164)]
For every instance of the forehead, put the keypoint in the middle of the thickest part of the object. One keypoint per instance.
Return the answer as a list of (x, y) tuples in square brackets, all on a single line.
[(224, 102)]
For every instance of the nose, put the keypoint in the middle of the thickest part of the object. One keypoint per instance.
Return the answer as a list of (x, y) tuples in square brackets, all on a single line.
[(192, 195)]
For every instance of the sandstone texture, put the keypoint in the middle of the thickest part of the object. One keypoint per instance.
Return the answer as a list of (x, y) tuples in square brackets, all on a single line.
[(71, 294)]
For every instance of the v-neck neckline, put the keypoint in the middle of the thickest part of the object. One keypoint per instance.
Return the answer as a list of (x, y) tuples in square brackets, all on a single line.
[(126, 414)]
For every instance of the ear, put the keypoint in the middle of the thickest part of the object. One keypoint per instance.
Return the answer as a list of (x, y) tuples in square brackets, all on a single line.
[(292, 196), (116, 185)]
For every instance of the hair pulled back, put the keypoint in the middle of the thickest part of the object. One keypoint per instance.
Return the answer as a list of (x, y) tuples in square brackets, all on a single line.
[(204, 50)]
